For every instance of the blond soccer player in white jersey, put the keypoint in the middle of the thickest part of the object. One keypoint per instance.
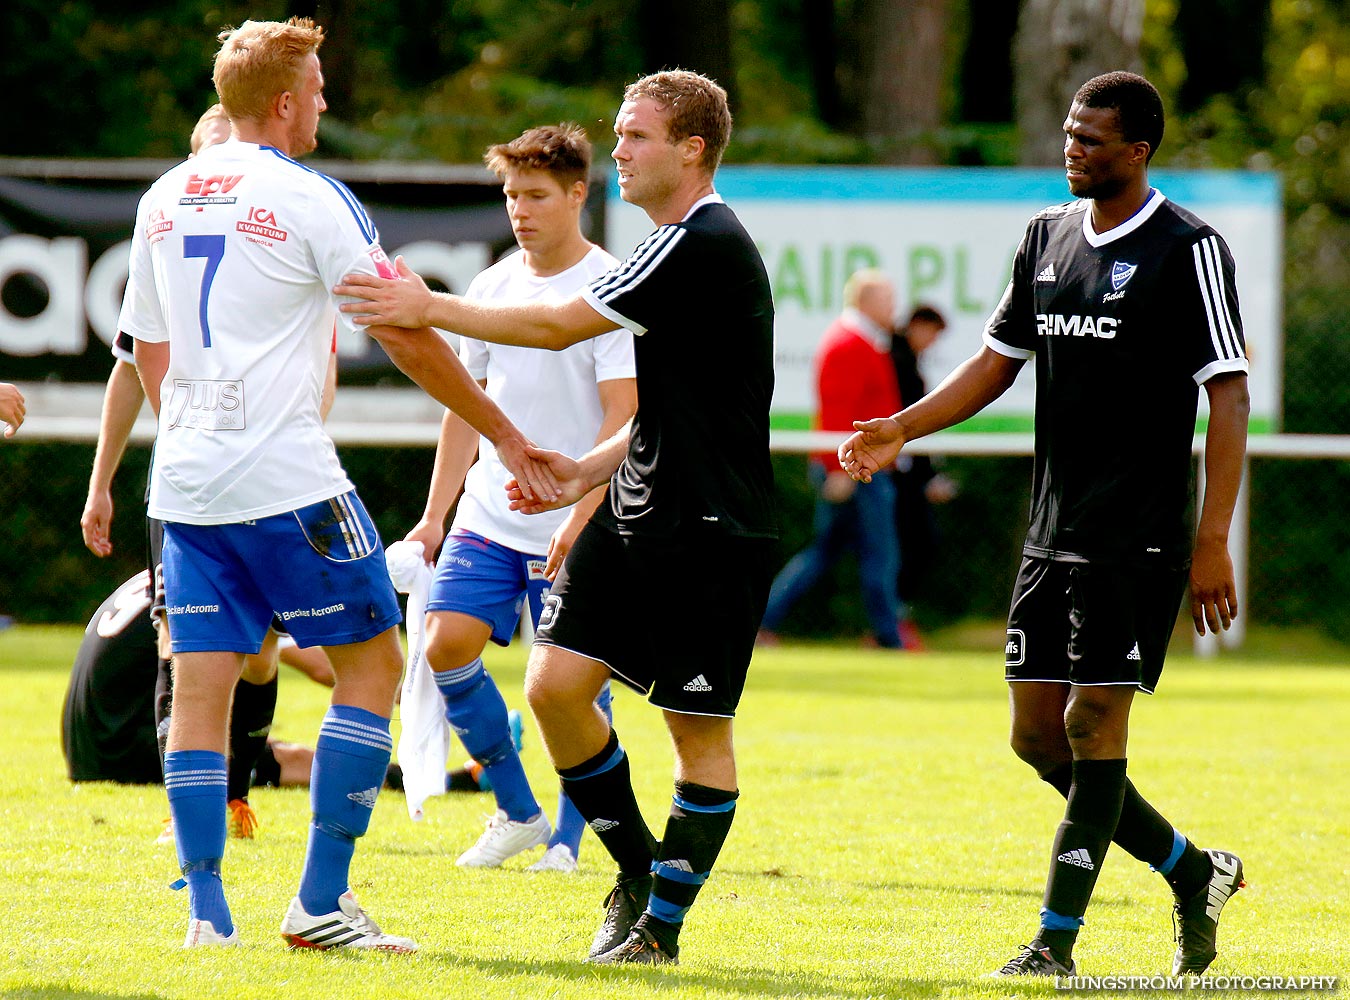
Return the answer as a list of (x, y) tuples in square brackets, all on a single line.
[(496, 559), (232, 258)]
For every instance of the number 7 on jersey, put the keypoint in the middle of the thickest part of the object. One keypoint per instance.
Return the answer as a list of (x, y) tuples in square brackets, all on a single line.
[(213, 249)]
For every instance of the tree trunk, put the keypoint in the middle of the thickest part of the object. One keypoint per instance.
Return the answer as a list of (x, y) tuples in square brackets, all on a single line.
[(903, 56), (822, 48), (338, 53), (1235, 67), (688, 34), (1060, 45)]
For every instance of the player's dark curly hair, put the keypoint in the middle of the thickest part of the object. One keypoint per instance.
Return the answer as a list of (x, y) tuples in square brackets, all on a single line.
[(1135, 100)]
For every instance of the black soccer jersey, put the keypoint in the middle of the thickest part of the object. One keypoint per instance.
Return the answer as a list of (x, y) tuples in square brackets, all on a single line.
[(108, 723), (1124, 326), (697, 296)]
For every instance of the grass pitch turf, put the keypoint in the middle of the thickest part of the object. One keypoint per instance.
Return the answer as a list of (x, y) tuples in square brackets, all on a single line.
[(887, 844)]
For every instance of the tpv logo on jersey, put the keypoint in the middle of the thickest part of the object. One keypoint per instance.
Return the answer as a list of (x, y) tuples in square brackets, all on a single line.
[(262, 222), (1121, 272), (210, 190)]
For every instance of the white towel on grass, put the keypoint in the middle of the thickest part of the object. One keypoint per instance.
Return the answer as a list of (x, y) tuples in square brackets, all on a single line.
[(424, 738)]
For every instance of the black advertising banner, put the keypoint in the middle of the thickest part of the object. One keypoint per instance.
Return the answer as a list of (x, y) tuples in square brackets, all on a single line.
[(65, 227)]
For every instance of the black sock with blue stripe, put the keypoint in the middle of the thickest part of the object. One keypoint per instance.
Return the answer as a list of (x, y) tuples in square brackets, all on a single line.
[(1144, 834), (700, 819), (602, 790), (1090, 821)]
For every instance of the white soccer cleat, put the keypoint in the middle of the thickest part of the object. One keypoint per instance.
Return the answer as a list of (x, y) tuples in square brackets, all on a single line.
[(557, 858), (202, 934), (346, 927), (505, 838)]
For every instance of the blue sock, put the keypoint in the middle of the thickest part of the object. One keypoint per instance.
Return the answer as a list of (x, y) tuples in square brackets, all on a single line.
[(350, 761), (571, 824), (477, 713), (195, 781)]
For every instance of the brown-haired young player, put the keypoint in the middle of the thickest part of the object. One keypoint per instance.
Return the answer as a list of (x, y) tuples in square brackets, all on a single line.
[(495, 559)]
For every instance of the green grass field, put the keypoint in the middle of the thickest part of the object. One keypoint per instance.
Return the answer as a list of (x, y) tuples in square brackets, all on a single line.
[(887, 845)]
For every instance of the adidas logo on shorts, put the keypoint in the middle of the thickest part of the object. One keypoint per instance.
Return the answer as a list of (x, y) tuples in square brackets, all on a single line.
[(1134, 653), (365, 798), (698, 684), (1080, 857), (601, 825)]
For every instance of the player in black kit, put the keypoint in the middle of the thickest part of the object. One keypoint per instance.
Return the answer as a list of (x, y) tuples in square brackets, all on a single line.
[(1127, 304), (667, 583)]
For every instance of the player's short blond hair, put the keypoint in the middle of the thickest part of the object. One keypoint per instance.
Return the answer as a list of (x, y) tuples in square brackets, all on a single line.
[(562, 151), (210, 117), (694, 105), (259, 60)]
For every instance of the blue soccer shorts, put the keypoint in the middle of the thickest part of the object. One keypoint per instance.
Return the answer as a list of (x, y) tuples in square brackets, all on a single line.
[(488, 581), (320, 569)]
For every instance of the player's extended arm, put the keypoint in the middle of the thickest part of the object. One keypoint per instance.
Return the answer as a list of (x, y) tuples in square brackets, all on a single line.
[(152, 364), (618, 402), (407, 302), (428, 359), (12, 408), (455, 453), (576, 476), (1213, 589), (979, 380), (122, 401)]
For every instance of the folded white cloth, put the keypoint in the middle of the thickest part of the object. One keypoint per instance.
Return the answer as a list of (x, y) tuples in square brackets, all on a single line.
[(424, 737)]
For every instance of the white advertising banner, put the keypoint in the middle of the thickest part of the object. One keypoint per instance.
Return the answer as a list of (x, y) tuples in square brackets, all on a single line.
[(947, 238)]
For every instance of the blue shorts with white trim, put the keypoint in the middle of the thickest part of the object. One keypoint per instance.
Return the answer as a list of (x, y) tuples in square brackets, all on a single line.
[(483, 579), (319, 568)]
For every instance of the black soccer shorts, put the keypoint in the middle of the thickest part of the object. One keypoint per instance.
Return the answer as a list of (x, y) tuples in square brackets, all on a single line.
[(673, 618), (1090, 623)]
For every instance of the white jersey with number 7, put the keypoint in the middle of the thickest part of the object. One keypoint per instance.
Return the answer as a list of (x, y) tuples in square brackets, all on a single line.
[(232, 261)]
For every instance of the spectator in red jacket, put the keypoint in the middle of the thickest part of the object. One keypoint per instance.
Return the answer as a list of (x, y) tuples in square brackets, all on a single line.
[(854, 373)]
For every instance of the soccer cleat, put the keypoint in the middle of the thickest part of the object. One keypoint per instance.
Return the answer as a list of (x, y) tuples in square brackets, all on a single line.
[(1195, 921), (1034, 960), (557, 858), (624, 904), (639, 948), (346, 927), (242, 822), (166, 833), (505, 838), (202, 934)]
